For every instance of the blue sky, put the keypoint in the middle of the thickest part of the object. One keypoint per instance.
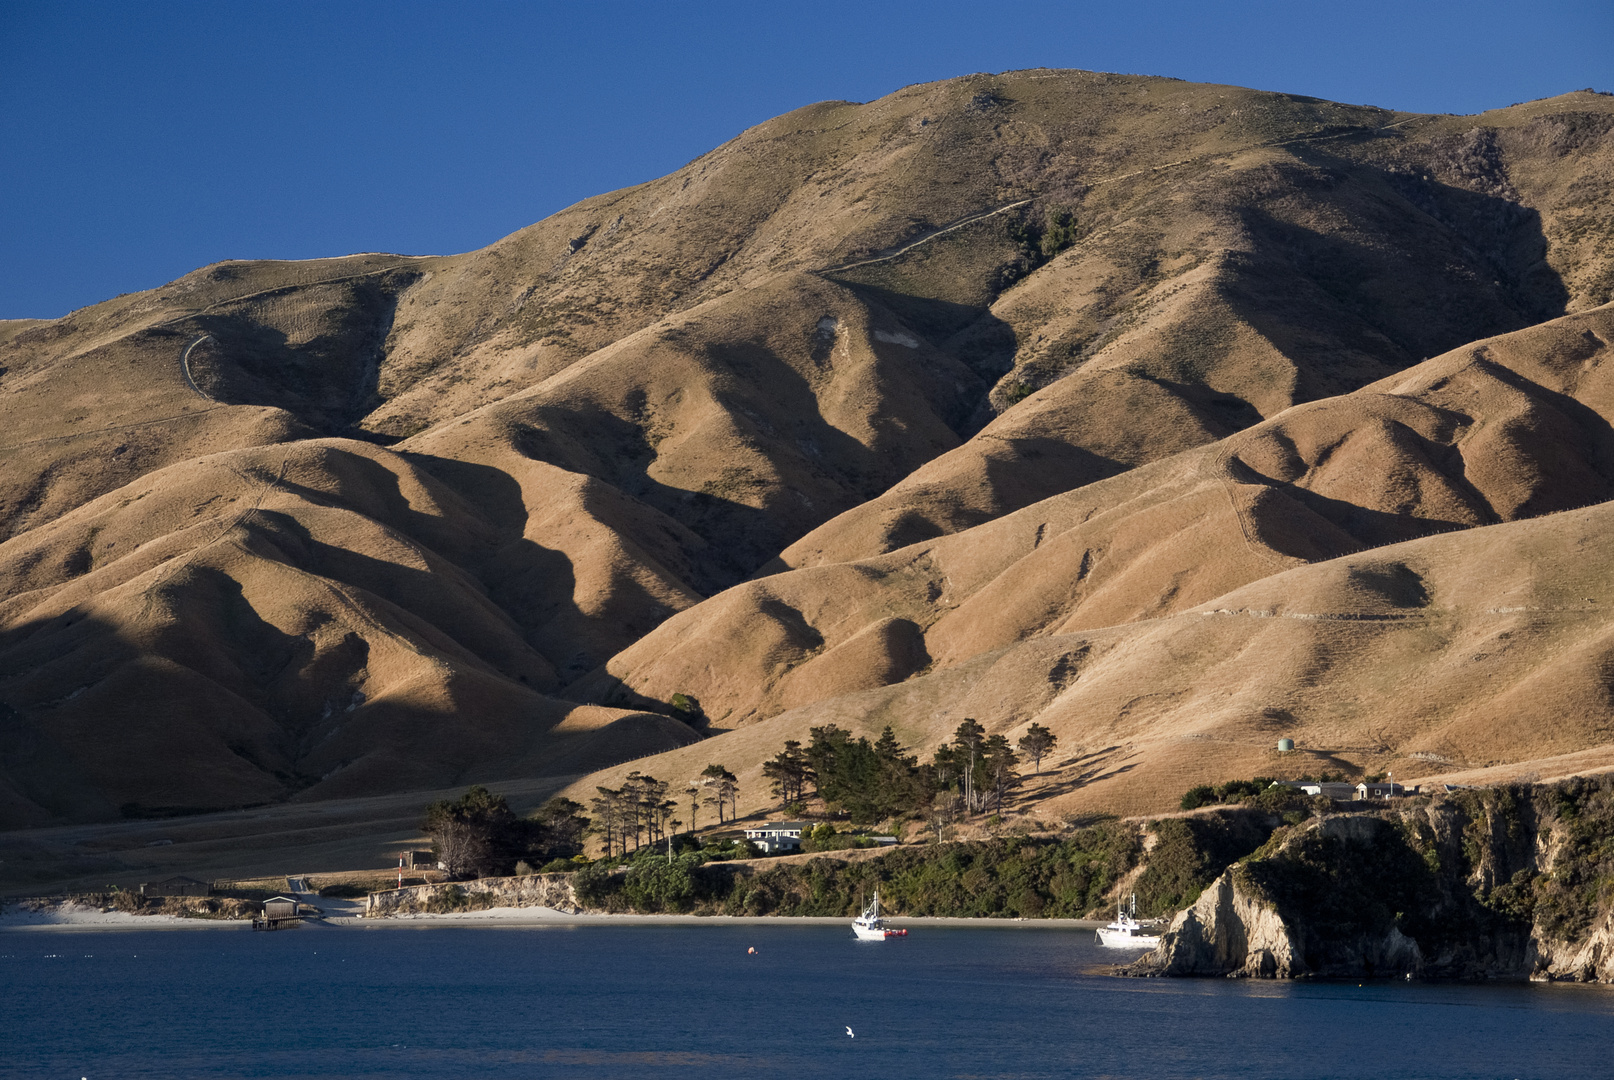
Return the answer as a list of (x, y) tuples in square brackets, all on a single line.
[(139, 141)]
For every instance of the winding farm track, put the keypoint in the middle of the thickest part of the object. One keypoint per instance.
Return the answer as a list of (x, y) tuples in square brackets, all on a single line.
[(185, 367), (892, 253)]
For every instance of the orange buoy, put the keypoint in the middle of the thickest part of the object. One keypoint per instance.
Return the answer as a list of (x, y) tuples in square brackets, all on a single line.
[(752, 950)]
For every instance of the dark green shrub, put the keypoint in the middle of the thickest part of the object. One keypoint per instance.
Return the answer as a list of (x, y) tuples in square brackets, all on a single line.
[(595, 883), (825, 837), (1201, 795), (1059, 233), (654, 884), (688, 709), (1190, 853)]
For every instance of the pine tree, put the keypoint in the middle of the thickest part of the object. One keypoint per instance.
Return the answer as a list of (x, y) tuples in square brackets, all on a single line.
[(998, 763), (724, 788), (789, 771), (607, 807), (1036, 742), (967, 747)]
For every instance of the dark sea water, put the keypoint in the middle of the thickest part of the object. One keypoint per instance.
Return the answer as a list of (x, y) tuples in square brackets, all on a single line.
[(688, 1001)]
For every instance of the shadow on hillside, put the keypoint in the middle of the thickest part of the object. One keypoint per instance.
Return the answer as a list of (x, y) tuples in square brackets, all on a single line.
[(535, 586), (971, 334), (209, 706), (1222, 414), (800, 471), (317, 357), (1568, 444), (1064, 785), (1417, 269), (195, 700), (1040, 468)]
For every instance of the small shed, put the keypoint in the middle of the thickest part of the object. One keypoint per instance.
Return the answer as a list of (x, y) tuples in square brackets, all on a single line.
[(279, 912), (417, 860), (280, 907), (176, 886), (1379, 791)]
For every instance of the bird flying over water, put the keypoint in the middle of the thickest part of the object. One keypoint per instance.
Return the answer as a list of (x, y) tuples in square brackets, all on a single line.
[(850, 1034)]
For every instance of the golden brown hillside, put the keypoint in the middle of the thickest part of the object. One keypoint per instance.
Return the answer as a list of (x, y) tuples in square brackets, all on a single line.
[(871, 404), (1452, 653), (1507, 428)]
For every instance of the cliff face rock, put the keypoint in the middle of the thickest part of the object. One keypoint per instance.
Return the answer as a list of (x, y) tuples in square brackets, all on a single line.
[(1509, 883), (1237, 932), (534, 890), (1227, 932), (1590, 959)]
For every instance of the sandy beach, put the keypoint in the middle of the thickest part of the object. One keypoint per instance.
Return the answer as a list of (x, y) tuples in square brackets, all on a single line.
[(72, 916)]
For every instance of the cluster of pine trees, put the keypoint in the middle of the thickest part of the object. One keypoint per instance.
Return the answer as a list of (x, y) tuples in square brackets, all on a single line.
[(477, 835), (639, 813), (972, 774)]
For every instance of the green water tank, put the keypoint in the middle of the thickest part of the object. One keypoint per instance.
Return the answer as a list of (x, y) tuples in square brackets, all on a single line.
[(1285, 745)]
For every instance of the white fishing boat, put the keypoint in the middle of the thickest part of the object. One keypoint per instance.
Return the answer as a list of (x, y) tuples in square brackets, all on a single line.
[(1126, 932), (869, 926)]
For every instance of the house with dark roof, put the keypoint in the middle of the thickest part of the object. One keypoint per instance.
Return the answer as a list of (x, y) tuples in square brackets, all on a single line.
[(1379, 791), (176, 886)]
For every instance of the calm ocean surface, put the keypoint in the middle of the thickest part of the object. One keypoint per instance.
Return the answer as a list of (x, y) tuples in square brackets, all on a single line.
[(687, 1001)]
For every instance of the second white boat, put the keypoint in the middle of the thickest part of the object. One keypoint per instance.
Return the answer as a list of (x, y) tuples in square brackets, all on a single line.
[(869, 926), (1126, 932)]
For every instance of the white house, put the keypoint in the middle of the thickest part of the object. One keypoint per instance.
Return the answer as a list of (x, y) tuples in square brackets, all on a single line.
[(776, 836)]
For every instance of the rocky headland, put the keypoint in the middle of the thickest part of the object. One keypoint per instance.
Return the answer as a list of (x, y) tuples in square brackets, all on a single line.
[(1505, 883)]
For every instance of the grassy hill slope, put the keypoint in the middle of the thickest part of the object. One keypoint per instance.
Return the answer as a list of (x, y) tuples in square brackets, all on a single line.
[(868, 400)]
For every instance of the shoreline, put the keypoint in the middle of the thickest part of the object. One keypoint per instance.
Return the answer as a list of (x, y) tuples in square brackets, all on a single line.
[(511, 918), (94, 919), (516, 917)]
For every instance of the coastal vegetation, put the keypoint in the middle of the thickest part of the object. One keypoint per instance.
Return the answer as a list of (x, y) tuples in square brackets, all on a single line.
[(646, 864), (1025, 875), (129, 902)]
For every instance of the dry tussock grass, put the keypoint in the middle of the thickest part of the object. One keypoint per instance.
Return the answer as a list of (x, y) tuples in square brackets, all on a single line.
[(988, 475)]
